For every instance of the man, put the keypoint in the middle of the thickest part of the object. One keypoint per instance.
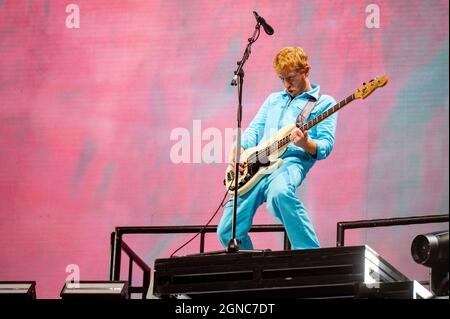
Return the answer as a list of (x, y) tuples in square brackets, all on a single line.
[(278, 189)]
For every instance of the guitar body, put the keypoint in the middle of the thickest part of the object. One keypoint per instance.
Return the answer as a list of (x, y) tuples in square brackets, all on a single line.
[(257, 163)]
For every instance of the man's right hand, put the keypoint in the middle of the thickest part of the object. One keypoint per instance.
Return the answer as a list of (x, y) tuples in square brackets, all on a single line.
[(232, 162)]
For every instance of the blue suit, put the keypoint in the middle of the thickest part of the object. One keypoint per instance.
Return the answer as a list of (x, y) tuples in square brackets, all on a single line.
[(278, 189)]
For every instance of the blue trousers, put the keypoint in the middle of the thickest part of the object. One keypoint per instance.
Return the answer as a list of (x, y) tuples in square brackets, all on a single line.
[(278, 191)]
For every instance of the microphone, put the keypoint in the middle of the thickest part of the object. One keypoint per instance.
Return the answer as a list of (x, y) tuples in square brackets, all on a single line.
[(267, 28)]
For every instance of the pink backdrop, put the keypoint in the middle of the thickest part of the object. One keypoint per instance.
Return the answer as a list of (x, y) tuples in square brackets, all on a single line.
[(86, 116)]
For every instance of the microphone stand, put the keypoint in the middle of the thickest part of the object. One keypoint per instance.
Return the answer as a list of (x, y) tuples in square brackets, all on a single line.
[(238, 80)]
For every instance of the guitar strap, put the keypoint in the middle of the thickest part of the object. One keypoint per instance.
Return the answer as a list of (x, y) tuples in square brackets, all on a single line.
[(303, 116)]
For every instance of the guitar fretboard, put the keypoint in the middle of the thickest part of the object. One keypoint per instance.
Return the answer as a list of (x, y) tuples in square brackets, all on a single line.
[(327, 113), (275, 146)]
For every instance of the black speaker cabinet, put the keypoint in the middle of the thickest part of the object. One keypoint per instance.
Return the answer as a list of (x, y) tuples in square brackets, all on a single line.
[(95, 290)]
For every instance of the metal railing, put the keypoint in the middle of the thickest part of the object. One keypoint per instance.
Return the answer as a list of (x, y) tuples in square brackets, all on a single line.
[(118, 245), (342, 226)]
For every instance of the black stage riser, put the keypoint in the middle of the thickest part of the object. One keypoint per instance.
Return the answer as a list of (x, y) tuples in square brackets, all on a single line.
[(337, 272)]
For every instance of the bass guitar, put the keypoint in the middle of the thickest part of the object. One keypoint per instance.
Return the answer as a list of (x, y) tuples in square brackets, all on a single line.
[(265, 158)]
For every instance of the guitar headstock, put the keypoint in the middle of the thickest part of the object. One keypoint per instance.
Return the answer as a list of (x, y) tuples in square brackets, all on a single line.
[(367, 88)]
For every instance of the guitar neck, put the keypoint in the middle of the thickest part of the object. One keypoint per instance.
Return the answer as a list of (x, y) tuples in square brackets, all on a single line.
[(285, 140), (327, 113)]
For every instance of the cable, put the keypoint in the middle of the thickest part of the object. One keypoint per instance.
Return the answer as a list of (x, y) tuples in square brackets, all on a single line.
[(209, 221)]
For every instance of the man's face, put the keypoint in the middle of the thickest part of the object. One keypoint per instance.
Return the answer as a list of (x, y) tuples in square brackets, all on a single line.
[(294, 80)]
